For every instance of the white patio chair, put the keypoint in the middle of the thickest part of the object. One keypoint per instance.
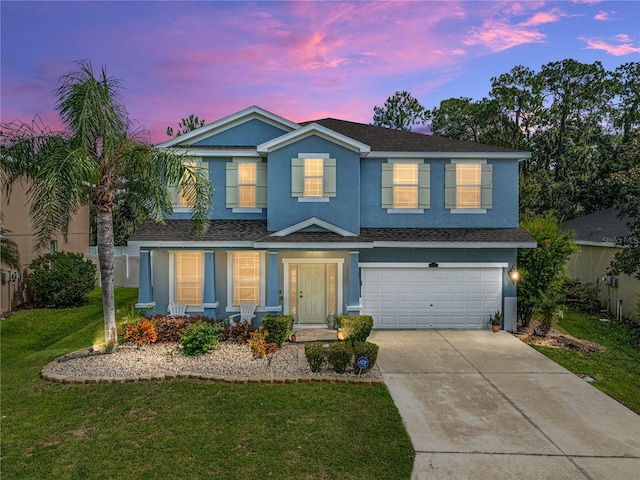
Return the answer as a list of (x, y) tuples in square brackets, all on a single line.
[(177, 309), (247, 313)]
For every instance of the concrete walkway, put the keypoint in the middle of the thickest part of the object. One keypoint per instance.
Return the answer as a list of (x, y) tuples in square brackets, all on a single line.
[(482, 405)]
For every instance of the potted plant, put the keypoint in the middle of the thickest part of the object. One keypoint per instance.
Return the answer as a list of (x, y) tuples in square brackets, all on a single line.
[(496, 321), (294, 336)]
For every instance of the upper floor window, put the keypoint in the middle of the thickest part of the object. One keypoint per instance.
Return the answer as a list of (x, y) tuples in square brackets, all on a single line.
[(186, 195), (246, 186), (313, 177), (468, 186), (183, 197), (406, 186)]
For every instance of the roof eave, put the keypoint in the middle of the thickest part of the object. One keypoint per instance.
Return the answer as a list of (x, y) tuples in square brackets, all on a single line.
[(313, 129), (479, 154)]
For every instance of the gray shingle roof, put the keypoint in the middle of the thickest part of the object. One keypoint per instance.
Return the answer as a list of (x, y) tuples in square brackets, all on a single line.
[(256, 231), (384, 139), (599, 227)]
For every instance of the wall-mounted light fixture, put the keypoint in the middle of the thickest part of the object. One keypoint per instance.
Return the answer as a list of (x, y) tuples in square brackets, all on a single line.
[(514, 274)]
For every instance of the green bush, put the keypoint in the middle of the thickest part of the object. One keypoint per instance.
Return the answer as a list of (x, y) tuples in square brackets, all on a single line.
[(315, 354), (339, 356), (356, 328), (61, 279), (278, 327), (583, 297), (200, 338), (366, 349)]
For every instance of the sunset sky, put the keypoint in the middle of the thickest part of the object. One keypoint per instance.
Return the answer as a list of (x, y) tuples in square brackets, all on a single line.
[(302, 60)]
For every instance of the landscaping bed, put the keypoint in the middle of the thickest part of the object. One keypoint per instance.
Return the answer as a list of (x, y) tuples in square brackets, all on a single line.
[(227, 360)]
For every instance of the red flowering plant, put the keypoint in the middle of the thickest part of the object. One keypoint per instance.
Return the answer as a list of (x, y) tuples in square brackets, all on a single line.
[(259, 346), (140, 331)]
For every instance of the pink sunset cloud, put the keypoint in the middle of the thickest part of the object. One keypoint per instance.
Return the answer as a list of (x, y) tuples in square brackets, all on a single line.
[(624, 47), (603, 16), (499, 35), (540, 18), (299, 59)]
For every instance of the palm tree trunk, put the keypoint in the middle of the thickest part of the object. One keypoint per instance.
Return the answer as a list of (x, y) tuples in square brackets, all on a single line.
[(105, 257)]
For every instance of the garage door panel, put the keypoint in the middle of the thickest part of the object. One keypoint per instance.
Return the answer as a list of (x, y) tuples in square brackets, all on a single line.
[(431, 297)]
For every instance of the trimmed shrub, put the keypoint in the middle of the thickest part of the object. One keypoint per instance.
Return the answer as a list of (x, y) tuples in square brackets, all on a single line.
[(140, 331), (583, 297), (169, 329), (314, 351), (61, 279), (339, 356), (356, 328), (238, 333), (278, 327), (366, 349), (200, 338)]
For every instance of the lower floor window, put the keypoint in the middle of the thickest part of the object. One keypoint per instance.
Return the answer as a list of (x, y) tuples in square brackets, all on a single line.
[(246, 277), (189, 278)]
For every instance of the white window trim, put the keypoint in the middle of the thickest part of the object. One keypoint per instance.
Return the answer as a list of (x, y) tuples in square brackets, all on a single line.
[(246, 210), (262, 292), (286, 262), (172, 281), (469, 210), (313, 199), (413, 161)]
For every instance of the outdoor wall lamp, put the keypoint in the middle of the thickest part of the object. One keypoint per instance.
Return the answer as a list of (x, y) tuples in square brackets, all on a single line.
[(514, 274)]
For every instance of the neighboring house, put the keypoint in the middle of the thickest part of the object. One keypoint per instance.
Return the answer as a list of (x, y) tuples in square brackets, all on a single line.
[(332, 217), (16, 219), (597, 235)]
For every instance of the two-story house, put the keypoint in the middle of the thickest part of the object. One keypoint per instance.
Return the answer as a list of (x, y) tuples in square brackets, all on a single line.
[(331, 217)]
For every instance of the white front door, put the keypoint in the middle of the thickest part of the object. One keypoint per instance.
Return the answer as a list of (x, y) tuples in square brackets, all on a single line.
[(312, 298)]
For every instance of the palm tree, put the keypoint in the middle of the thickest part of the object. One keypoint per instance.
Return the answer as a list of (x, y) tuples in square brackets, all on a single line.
[(9, 254), (98, 160)]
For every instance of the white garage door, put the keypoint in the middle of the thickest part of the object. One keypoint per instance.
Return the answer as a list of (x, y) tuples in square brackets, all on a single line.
[(431, 297)]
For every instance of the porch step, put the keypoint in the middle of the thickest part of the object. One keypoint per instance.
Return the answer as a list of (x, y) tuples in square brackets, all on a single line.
[(306, 335)]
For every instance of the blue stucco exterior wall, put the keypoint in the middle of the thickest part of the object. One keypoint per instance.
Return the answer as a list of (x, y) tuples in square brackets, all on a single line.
[(342, 210), (248, 134), (504, 213)]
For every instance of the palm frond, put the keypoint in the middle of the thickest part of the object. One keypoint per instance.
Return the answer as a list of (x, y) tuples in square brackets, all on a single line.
[(9, 254)]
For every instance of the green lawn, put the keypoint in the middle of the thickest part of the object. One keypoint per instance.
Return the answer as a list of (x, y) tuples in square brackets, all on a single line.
[(182, 429), (616, 371)]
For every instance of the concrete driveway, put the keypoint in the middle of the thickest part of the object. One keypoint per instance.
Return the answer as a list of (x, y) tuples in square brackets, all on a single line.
[(484, 405)]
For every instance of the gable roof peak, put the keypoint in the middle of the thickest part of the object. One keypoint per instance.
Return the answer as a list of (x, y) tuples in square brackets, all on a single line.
[(230, 121)]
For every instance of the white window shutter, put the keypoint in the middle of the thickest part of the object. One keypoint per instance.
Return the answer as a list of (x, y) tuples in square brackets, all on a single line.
[(387, 185), (232, 185), (329, 177), (424, 185), (261, 185), (450, 186), (486, 191), (297, 177)]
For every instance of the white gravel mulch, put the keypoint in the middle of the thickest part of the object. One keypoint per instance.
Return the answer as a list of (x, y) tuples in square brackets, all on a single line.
[(228, 360)]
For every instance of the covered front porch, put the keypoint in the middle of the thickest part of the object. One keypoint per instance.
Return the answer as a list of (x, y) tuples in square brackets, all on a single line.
[(309, 285)]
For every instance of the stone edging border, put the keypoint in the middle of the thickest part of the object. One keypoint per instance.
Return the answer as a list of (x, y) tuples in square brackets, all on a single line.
[(47, 374)]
